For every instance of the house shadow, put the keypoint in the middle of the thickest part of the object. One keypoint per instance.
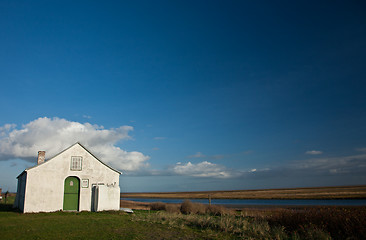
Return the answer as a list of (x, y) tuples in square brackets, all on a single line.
[(5, 207)]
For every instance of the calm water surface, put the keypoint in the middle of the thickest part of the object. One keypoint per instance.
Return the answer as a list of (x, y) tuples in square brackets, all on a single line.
[(337, 202)]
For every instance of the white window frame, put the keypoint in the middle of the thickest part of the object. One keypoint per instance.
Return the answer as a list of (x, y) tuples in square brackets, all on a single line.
[(85, 183), (76, 163)]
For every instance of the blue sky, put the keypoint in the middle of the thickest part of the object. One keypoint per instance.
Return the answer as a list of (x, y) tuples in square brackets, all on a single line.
[(188, 95)]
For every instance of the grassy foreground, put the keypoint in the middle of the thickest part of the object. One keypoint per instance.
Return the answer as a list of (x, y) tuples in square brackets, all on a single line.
[(90, 225), (188, 221), (289, 193)]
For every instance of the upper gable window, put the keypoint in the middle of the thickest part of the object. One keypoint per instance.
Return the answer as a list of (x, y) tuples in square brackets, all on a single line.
[(76, 163)]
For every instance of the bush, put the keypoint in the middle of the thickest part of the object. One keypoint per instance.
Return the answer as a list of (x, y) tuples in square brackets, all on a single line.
[(188, 207), (218, 210), (200, 208), (340, 222), (158, 206), (236, 225), (172, 208), (292, 223)]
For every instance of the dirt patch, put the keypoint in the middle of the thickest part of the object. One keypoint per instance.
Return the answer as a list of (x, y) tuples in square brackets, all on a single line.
[(134, 205)]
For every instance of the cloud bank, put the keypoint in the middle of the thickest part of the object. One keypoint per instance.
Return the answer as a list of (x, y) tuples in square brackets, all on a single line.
[(345, 165), (313, 152), (202, 169), (55, 134)]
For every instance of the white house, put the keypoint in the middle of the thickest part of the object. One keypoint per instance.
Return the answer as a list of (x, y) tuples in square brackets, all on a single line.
[(73, 180)]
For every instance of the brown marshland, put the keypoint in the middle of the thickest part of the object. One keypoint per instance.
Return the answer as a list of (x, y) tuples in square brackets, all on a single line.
[(341, 192)]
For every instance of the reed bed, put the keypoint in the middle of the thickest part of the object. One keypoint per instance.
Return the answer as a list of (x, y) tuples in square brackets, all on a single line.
[(342, 192), (296, 223)]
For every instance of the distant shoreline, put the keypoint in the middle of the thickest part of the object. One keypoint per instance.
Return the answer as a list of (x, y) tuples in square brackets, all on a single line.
[(341, 192)]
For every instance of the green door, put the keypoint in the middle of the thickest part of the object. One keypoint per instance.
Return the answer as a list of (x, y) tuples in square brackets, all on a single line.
[(71, 194)]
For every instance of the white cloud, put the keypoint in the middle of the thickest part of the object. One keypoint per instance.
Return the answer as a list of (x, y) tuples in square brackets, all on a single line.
[(361, 149), (5, 129), (55, 134), (313, 152), (344, 164), (202, 169), (197, 155)]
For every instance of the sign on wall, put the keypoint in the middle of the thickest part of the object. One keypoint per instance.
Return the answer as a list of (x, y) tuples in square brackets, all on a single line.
[(85, 183)]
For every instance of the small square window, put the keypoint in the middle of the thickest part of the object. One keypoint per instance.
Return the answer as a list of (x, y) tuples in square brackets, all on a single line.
[(85, 183), (76, 163)]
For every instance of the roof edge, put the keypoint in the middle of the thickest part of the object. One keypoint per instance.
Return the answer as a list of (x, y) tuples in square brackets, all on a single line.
[(77, 143), (24, 171), (97, 158)]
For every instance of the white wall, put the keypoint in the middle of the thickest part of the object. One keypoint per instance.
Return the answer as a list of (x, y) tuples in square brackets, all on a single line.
[(105, 198), (45, 183)]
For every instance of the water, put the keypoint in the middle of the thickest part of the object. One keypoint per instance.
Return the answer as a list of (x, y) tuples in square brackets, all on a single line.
[(261, 202)]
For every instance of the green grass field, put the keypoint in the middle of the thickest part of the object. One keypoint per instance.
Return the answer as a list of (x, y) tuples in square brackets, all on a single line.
[(90, 225), (188, 221)]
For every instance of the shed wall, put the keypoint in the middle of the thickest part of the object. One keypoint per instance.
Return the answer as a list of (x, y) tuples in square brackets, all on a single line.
[(20, 197), (45, 183)]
